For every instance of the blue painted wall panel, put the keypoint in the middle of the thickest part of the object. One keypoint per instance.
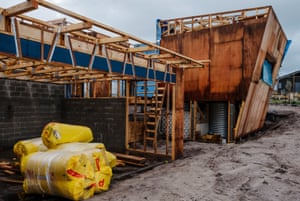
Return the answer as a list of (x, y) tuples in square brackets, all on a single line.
[(117, 67), (46, 51), (62, 55), (128, 70), (82, 59), (100, 64), (7, 44), (31, 49)]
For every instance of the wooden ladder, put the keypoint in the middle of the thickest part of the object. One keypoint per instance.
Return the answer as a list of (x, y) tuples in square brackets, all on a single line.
[(153, 112)]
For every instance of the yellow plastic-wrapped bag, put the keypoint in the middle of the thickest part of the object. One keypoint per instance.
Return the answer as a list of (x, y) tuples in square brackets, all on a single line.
[(102, 170), (60, 173), (25, 147), (54, 134), (97, 155), (111, 159)]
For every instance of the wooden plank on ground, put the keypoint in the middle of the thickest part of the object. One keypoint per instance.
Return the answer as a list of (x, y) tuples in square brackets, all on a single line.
[(130, 158), (9, 180)]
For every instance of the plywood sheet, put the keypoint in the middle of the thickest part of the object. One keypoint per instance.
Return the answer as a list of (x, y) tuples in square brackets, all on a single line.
[(226, 67)]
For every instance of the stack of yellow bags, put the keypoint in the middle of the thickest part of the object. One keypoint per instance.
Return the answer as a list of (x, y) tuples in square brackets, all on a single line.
[(67, 165)]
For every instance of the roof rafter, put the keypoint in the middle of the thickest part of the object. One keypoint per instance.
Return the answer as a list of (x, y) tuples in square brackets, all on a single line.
[(88, 50), (20, 8), (113, 30)]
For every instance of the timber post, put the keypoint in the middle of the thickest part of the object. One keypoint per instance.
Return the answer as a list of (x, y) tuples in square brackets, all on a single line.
[(179, 113)]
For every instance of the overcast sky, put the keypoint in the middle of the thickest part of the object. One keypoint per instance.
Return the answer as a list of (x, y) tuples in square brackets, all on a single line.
[(138, 17)]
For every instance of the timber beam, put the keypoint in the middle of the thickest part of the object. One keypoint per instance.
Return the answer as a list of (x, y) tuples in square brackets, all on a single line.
[(76, 27), (20, 8), (103, 41)]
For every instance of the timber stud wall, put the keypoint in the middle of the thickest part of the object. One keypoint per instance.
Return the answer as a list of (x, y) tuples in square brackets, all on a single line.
[(25, 108)]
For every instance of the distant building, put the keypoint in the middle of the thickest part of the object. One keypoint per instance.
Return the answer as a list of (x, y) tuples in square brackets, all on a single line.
[(289, 83)]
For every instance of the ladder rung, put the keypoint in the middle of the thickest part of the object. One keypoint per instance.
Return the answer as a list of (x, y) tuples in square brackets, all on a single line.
[(150, 131), (148, 92), (161, 88), (151, 123), (150, 138), (159, 102), (154, 109), (153, 115)]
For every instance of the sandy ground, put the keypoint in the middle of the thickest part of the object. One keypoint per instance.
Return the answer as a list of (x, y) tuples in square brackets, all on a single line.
[(267, 168)]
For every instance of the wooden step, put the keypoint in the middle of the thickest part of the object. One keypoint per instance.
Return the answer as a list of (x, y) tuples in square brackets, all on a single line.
[(151, 115), (150, 138), (151, 123), (161, 88), (155, 109), (158, 95), (150, 131), (159, 102), (148, 92)]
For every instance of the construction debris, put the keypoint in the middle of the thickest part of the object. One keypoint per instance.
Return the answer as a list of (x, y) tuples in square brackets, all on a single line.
[(131, 160), (210, 138)]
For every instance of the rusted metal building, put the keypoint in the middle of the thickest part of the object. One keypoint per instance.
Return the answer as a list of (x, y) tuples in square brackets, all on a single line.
[(245, 49)]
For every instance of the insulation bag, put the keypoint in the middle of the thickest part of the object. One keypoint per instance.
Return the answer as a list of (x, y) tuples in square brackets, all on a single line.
[(54, 134), (111, 159), (60, 173), (25, 147), (97, 156), (102, 170)]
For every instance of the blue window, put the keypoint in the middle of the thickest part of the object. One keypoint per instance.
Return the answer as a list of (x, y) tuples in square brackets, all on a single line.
[(266, 74), (141, 88)]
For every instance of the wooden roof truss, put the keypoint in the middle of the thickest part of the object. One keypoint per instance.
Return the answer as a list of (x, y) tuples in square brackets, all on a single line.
[(193, 23), (86, 36)]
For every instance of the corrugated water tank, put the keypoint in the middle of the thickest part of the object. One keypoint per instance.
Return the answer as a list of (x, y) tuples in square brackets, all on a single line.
[(218, 121)]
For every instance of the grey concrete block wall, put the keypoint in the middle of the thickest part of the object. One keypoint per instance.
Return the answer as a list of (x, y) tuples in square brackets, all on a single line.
[(105, 116), (25, 108)]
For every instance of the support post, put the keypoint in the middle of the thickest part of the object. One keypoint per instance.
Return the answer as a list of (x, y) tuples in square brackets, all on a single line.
[(194, 120), (173, 122), (127, 92), (167, 117), (229, 122), (191, 120), (179, 113)]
